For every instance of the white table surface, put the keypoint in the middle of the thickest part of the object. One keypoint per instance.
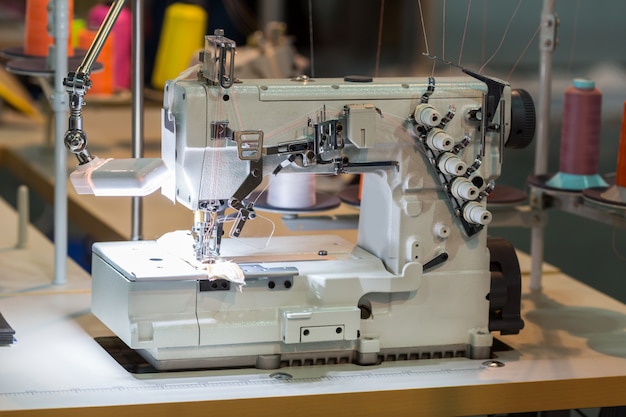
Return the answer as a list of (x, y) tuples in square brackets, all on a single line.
[(573, 335)]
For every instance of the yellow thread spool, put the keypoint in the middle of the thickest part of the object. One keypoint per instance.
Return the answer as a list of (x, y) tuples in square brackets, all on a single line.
[(182, 35), (77, 26)]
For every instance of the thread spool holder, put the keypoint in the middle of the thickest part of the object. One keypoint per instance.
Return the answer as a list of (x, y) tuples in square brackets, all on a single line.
[(542, 197), (50, 73), (574, 202)]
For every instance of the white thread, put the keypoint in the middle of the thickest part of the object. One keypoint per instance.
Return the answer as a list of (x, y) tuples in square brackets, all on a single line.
[(483, 46), (506, 30), (380, 37), (523, 52), (311, 38), (292, 191), (419, 3), (467, 15), (443, 31)]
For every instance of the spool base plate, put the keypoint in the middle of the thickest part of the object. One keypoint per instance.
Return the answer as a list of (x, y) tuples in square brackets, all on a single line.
[(541, 181), (19, 52), (597, 195), (505, 195), (38, 67), (562, 180)]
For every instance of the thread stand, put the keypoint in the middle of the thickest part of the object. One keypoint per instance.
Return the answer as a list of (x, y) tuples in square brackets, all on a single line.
[(578, 188), (577, 202), (611, 198), (542, 196)]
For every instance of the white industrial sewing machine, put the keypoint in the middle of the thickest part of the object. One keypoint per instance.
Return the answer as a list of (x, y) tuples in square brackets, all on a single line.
[(416, 284)]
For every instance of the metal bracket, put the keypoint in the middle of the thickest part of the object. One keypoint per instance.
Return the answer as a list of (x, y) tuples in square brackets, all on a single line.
[(548, 38), (249, 144), (218, 59)]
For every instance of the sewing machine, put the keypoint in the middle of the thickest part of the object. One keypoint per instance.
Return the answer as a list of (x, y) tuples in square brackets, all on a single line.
[(420, 281)]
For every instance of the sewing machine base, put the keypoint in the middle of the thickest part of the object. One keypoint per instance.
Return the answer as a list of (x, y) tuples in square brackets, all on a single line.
[(328, 302), (327, 357), (133, 362)]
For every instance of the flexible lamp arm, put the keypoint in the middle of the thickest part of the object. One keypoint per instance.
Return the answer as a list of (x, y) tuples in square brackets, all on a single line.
[(77, 83)]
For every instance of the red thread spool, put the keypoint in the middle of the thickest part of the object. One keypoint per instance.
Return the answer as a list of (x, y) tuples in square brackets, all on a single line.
[(580, 133), (37, 41)]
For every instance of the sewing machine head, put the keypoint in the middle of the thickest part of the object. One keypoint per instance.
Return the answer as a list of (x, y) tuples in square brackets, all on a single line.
[(416, 284), (442, 138)]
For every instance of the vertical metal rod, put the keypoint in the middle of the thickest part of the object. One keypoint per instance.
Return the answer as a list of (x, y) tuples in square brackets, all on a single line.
[(546, 47), (547, 43), (23, 210), (137, 104), (59, 100)]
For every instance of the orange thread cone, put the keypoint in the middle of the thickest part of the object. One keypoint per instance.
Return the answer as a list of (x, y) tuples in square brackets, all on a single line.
[(37, 41)]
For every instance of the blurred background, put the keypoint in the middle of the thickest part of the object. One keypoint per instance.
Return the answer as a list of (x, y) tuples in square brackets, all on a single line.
[(387, 38)]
